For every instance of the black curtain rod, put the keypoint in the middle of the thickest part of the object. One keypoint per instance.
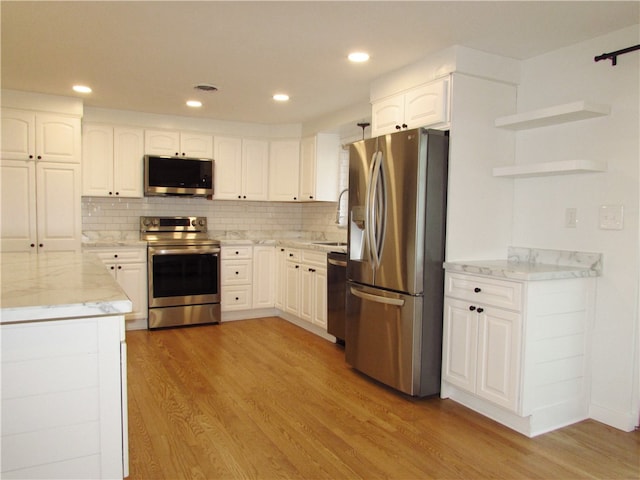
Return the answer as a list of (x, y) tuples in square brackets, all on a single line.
[(614, 55)]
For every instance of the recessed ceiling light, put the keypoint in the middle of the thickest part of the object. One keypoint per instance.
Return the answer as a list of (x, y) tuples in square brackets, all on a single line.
[(281, 97), (358, 57), (81, 89), (194, 103)]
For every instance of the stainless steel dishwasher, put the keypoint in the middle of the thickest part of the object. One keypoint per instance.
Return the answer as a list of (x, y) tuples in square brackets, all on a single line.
[(336, 290)]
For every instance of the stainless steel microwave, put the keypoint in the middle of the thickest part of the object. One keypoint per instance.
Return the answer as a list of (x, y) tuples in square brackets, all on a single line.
[(165, 175)]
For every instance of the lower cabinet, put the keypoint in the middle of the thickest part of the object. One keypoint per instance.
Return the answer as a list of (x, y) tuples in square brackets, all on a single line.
[(128, 265), (64, 391), (516, 351), (247, 277)]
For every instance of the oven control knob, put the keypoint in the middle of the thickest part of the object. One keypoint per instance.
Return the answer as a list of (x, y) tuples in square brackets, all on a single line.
[(201, 222), (146, 222)]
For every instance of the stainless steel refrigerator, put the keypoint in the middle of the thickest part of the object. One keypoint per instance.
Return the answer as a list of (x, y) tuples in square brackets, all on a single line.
[(397, 212)]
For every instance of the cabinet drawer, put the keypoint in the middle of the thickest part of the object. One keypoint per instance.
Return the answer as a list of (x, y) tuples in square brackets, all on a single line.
[(236, 272), (236, 252), (236, 298), (292, 254), (133, 255), (483, 290), (313, 257)]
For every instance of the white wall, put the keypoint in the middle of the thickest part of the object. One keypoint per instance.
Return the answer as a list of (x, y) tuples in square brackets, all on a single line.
[(539, 205)]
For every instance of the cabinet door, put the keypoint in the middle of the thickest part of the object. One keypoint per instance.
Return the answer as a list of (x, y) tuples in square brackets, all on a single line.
[(18, 206), (97, 160), (161, 142), (18, 134), (307, 277), (281, 281), (58, 206), (459, 344), (132, 277), (227, 174), (128, 152), (283, 170), (308, 168), (58, 138), (292, 290), (196, 145), (386, 115), (320, 298), (427, 105), (499, 336), (255, 170), (263, 270)]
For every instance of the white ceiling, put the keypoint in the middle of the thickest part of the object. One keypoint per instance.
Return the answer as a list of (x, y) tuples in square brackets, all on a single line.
[(147, 56)]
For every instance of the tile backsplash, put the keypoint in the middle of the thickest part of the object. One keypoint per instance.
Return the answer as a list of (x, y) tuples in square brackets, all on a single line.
[(238, 219)]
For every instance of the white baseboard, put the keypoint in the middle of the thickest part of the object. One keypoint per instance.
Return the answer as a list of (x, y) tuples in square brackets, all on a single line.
[(625, 421)]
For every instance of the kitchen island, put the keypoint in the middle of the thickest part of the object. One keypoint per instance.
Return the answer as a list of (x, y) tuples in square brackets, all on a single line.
[(64, 391)]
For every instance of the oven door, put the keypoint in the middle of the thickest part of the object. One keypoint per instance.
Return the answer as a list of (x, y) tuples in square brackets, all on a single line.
[(183, 275)]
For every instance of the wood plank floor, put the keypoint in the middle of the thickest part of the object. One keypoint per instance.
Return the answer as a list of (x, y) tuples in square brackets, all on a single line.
[(265, 399)]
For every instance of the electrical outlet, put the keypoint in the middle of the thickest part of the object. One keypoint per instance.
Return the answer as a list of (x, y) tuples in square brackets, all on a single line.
[(611, 217), (571, 217)]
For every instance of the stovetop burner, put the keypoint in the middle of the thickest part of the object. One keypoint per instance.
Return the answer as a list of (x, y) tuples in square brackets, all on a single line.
[(175, 231)]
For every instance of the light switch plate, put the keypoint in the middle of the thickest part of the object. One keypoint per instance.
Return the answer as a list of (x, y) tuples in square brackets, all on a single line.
[(611, 217)]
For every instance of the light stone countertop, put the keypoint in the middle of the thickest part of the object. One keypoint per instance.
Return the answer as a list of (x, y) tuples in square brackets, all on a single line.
[(54, 286), (534, 264)]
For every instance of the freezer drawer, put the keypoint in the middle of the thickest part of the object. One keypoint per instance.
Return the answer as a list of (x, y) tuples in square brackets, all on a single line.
[(389, 339)]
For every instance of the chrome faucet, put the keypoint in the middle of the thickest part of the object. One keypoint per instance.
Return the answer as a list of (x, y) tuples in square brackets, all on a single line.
[(338, 209)]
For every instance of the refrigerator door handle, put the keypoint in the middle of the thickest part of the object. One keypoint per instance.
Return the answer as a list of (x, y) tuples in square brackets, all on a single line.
[(377, 207), (398, 302), (368, 230)]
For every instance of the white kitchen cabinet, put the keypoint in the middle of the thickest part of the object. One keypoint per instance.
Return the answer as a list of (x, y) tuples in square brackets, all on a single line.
[(284, 168), (280, 277), (305, 292), (423, 106), (47, 137), (241, 169), (516, 350), (40, 206), (292, 282), (263, 271), (112, 161), (236, 271), (174, 143), (319, 167), (128, 265)]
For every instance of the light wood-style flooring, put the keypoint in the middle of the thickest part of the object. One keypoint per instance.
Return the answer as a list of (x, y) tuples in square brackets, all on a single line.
[(264, 399)]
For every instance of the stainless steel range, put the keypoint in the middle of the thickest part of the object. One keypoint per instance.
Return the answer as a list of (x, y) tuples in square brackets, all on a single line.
[(183, 271)]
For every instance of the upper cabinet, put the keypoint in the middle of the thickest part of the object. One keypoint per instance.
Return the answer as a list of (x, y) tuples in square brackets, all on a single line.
[(241, 169), (426, 105), (173, 143), (284, 168), (319, 166), (49, 137), (112, 161)]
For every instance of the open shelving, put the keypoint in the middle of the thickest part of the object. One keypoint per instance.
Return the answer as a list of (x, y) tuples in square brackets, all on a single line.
[(568, 112), (565, 167)]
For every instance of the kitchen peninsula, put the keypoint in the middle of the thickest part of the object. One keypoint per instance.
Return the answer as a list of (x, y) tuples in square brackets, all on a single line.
[(63, 368)]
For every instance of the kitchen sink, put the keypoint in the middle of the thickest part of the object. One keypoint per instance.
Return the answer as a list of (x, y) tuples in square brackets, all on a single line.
[(330, 244)]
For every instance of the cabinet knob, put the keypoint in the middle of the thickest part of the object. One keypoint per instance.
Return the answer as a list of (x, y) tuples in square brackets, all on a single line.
[(404, 125), (239, 196), (112, 267), (282, 249), (480, 310), (39, 157), (472, 308), (119, 267), (397, 127), (40, 245), (110, 193), (115, 255), (237, 273), (237, 299), (33, 245), (311, 197), (244, 196), (291, 254), (117, 193), (237, 253), (31, 156), (297, 266), (295, 198), (477, 289)]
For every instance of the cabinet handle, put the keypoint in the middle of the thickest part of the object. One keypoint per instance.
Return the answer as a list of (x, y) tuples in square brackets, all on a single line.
[(477, 289), (472, 308), (480, 310)]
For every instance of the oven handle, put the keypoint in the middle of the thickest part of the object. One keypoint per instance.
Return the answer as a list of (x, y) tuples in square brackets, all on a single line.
[(182, 251)]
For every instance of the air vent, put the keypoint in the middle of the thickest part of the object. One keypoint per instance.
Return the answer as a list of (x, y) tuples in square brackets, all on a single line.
[(206, 87)]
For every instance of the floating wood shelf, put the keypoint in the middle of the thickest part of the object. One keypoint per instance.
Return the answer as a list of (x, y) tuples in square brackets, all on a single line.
[(565, 167), (568, 112)]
